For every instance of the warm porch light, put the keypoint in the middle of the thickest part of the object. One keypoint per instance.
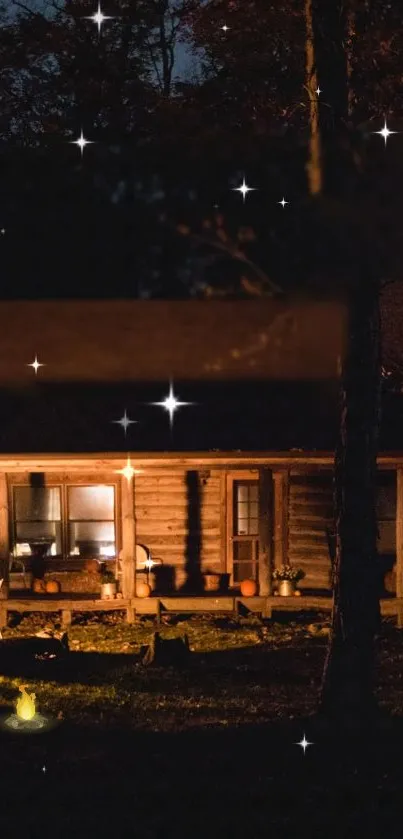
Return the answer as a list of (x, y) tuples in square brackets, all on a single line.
[(26, 705)]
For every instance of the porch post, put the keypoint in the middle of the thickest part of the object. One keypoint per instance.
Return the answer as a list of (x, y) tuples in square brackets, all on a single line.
[(399, 533), (4, 537), (265, 531), (281, 490), (128, 539)]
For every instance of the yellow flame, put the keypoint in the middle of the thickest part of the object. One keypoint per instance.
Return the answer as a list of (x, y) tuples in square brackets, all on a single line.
[(26, 704)]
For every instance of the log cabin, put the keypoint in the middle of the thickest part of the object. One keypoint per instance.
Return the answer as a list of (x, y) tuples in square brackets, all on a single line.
[(237, 483)]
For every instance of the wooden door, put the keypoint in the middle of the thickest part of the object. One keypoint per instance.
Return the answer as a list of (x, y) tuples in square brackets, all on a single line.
[(243, 526)]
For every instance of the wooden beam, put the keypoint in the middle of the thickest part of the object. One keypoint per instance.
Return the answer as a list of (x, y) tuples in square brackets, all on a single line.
[(265, 531), (399, 533), (4, 535), (128, 553), (151, 461), (281, 495)]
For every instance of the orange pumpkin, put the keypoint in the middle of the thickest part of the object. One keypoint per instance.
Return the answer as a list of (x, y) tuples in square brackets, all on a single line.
[(248, 588), (52, 587), (38, 586), (143, 590)]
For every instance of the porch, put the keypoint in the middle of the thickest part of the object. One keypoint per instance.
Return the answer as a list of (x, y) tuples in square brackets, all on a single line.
[(180, 604)]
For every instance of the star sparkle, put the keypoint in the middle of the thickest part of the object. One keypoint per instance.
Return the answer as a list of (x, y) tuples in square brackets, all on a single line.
[(98, 18), (318, 90), (35, 364), (385, 133), (171, 403), (125, 422), (81, 142), (128, 471), (283, 202), (304, 743), (225, 28), (244, 189)]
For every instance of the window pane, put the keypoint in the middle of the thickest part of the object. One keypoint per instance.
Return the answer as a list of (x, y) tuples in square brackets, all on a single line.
[(92, 539), (37, 503), (243, 527), (253, 510), (242, 551), (253, 491), (253, 527), (91, 502), (243, 510), (241, 493), (37, 531), (245, 571)]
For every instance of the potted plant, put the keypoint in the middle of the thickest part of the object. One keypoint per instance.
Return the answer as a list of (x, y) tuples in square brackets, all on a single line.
[(287, 578), (211, 580), (108, 584)]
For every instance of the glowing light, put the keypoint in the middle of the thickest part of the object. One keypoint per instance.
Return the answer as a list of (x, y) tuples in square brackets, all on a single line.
[(385, 133), (171, 404), (2, 231), (25, 704), (36, 365), (244, 189), (318, 90), (225, 28), (125, 422), (81, 142), (128, 470), (98, 18), (304, 743), (283, 202)]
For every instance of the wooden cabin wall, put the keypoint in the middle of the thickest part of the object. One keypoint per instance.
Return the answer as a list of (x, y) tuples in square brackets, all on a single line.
[(310, 512), (161, 511)]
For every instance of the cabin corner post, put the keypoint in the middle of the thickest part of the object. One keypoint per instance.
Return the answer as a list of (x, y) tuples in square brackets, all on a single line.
[(281, 501), (128, 539), (4, 534), (265, 531), (399, 534)]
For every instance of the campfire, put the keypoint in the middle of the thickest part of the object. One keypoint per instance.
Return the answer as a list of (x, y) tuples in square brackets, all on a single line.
[(26, 705)]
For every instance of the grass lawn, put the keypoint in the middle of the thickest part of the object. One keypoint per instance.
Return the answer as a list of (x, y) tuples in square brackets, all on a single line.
[(208, 750)]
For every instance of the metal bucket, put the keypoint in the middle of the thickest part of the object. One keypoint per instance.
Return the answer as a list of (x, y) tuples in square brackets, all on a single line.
[(286, 588)]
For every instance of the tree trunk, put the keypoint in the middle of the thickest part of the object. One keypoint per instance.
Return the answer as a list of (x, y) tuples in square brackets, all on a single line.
[(347, 688)]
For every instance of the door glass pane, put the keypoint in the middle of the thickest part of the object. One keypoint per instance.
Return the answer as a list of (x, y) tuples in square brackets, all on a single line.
[(91, 502), (241, 491), (37, 503), (253, 491), (243, 527), (253, 527), (253, 510), (244, 571)]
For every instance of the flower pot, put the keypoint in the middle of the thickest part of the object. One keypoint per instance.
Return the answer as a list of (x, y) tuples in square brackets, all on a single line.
[(211, 582), (286, 588), (108, 591)]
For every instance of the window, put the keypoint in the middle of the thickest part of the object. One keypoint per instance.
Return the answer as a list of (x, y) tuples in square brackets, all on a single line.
[(246, 508), (76, 520), (37, 517), (91, 521)]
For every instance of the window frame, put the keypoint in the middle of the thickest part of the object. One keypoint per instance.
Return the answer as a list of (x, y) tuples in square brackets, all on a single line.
[(66, 559)]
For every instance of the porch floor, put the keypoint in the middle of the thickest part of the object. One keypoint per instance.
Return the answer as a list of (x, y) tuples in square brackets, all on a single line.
[(68, 603)]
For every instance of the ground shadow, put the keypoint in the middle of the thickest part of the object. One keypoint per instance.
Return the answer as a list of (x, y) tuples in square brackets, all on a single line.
[(252, 781)]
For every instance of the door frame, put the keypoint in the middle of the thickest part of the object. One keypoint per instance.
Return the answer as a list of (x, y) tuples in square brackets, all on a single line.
[(231, 477)]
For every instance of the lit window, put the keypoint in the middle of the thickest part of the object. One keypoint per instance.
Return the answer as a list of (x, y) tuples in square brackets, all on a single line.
[(91, 521), (37, 517)]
